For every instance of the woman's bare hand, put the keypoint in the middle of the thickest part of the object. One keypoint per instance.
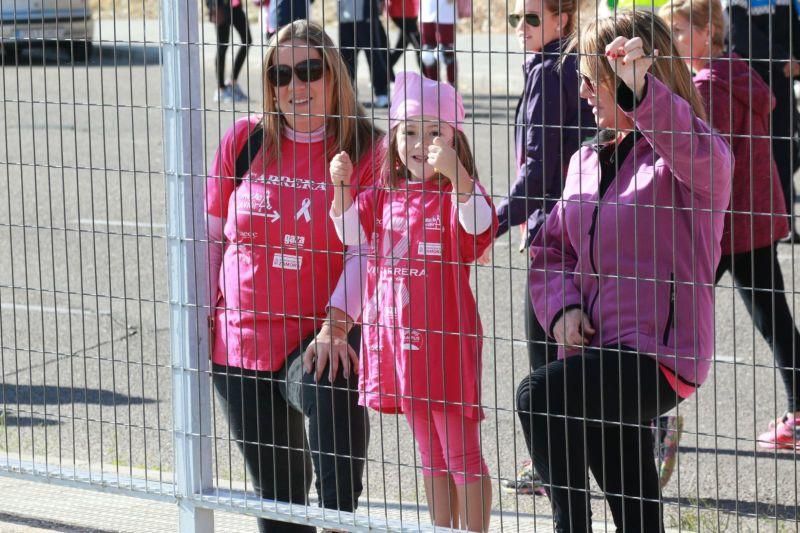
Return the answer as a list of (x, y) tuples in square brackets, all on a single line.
[(573, 329)]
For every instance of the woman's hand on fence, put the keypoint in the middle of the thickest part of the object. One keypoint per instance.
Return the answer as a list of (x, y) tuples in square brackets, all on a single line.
[(573, 328), (330, 350), (629, 62)]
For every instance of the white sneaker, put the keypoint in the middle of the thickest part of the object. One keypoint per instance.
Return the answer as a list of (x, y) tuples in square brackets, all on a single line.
[(381, 102)]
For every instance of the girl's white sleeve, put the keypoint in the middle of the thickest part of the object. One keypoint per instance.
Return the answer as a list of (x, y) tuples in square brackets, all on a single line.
[(216, 249), (475, 215), (348, 227), (348, 295)]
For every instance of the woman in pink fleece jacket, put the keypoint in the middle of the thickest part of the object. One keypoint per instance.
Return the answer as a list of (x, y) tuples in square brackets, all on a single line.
[(622, 276)]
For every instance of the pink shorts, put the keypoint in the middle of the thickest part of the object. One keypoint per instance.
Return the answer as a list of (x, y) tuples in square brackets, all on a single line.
[(438, 431)]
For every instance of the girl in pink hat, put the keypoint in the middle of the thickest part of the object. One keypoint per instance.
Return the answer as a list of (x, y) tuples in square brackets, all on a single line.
[(422, 335)]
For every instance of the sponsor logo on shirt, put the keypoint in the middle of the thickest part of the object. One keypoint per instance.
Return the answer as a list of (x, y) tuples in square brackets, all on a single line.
[(296, 241), (294, 183), (396, 271), (287, 262), (429, 248), (433, 223), (260, 201), (410, 340)]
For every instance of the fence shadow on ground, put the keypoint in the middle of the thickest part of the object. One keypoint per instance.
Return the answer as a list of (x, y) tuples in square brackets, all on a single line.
[(778, 456), (11, 420), (742, 508), (25, 395), (106, 54)]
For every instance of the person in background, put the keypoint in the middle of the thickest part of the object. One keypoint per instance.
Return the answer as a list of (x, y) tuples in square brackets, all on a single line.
[(622, 276), (428, 221), (360, 28), (437, 28), (767, 32), (404, 15), (285, 287), (739, 104), (225, 14), (285, 12), (550, 122)]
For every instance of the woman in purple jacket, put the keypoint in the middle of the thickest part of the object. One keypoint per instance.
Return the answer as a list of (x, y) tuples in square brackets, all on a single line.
[(550, 122), (623, 276)]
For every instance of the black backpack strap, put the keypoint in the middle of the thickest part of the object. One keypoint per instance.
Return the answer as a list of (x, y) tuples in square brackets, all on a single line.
[(249, 152)]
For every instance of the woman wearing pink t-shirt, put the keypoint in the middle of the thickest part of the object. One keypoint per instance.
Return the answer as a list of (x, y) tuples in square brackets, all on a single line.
[(286, 285)]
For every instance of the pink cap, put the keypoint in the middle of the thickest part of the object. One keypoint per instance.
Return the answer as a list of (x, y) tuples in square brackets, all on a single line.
[(417, 96)]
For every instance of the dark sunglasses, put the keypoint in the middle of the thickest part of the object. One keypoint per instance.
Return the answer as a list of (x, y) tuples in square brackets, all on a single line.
[(588, 81), (531, 19), (306, 71)]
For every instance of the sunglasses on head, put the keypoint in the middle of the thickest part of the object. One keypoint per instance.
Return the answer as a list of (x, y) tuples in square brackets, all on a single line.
[(306, 71), (531, 19)]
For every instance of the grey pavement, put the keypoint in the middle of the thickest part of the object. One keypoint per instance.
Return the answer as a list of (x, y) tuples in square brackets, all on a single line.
[(84, 302)]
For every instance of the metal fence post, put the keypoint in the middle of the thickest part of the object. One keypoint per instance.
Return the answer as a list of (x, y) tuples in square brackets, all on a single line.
[(183, 161)]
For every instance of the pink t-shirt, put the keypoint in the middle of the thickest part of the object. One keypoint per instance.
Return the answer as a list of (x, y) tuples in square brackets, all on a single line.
[(421, 330), (282, 257)]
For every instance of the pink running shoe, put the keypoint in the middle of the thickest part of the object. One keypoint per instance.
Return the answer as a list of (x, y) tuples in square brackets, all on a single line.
[(783, 434)]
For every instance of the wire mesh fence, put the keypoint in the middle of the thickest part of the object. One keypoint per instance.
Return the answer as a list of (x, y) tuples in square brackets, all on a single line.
[(282, 278)]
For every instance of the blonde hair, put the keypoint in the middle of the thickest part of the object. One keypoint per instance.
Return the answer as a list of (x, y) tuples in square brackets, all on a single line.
[(347, 127), (568, 7), (394, 170), (667, 68), (700, 14)]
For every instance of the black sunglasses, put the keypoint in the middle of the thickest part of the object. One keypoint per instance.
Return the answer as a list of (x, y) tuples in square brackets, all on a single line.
[(531, 19), (306, 71), (588, 81)]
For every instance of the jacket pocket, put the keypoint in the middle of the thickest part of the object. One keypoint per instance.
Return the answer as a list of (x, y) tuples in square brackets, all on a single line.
[(671, 313)]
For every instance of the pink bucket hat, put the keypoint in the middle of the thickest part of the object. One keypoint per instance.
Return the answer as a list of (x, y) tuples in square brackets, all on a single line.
[(417, 96)]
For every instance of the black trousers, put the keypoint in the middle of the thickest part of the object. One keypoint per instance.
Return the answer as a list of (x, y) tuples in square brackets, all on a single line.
[(541, 348), (233, 17), (287, 11), (594, 411), (370, 37), (272, 437), (757, 276), (783, 126), (409, 35)]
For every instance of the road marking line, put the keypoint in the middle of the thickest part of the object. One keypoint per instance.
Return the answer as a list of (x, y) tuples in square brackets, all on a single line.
[(58, 310), (121, 223)]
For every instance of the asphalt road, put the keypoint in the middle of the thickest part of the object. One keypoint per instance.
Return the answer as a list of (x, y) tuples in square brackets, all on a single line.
[(84, 300)]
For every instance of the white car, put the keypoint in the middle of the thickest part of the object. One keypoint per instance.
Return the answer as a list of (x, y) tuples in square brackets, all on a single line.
[(65, 23)]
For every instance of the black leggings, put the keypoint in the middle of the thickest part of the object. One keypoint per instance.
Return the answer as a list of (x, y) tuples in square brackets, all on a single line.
[(757, 276), (609, 397), (409, 34), (541, 348), (272, 438), (234, 17), (370, 37)]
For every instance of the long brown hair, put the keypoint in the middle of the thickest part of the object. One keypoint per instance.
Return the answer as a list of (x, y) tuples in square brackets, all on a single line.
[(347, 128), (394, 170), (667, 67)]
